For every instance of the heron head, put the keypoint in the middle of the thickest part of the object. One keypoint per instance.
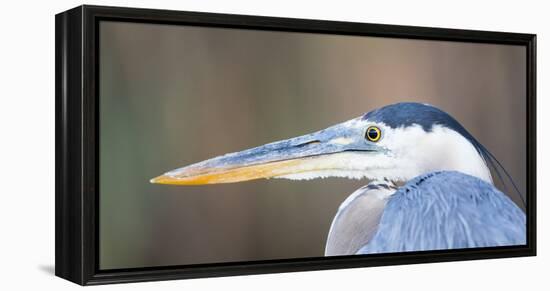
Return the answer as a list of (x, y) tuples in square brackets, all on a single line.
[(396, 142)]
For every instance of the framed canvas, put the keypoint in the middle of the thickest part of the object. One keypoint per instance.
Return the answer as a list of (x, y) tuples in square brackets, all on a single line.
[(198, 144)]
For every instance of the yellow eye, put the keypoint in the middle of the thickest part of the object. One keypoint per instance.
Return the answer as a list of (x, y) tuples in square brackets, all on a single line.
[(373, 134)]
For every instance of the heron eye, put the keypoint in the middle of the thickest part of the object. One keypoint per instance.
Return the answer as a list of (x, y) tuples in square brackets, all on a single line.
[(373, 133)]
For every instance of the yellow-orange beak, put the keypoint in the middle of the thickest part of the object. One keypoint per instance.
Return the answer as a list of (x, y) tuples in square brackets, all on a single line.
[(232, 175)]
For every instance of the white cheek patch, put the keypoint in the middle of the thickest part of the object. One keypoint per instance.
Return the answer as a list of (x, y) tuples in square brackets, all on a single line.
[(441, 149)]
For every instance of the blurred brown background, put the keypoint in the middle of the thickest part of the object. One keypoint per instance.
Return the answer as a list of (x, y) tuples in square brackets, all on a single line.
[(174, 95)]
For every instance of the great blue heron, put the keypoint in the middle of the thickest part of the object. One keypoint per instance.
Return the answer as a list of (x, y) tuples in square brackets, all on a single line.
[(431, 187)]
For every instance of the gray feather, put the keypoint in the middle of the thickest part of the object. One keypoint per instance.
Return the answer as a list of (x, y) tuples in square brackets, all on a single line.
[(447, 210), (357, 219)]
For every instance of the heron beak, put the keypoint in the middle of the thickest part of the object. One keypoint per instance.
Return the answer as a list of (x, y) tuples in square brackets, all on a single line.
[(319, 151), (198, 175)]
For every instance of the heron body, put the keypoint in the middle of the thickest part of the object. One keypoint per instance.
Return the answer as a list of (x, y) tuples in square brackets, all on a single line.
[(431, 185), (438, 210)]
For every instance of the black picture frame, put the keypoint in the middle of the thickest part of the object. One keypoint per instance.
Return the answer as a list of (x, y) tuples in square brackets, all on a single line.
[(77, 113)]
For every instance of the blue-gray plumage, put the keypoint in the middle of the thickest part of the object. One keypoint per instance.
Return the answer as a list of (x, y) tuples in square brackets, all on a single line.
[(446, 200), (447, 210)]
